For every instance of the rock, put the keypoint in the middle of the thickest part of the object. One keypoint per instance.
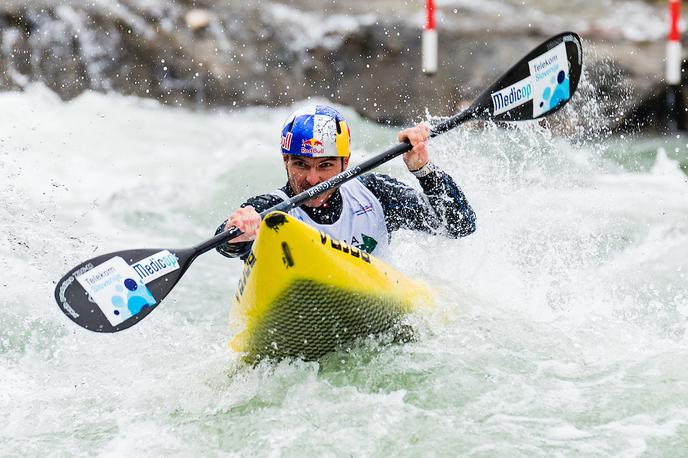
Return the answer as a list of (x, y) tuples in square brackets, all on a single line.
[(662, 109), (197, 19)]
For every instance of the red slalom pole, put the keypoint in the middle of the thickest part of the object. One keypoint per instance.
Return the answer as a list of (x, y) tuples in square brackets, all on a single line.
[(429, 40), (673, 49), (674, 58)]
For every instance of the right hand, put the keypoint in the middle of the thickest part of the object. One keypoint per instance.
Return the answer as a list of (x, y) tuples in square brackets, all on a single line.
[(247, 220), (418, 137)]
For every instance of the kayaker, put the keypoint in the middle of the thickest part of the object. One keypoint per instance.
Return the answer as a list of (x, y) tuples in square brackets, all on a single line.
[(364, 211)]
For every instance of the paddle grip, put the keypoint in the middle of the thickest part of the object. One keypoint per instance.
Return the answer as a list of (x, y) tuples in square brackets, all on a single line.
[(216, 241)]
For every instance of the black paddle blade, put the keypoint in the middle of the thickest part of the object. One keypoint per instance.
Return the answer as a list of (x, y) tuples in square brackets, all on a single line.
[(538, 85), (115, 291)]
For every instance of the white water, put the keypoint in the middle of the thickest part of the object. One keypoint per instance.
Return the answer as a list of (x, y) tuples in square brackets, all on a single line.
[(560, 330)]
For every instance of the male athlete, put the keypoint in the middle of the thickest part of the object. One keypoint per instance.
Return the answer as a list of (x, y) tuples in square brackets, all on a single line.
[(363, 211)]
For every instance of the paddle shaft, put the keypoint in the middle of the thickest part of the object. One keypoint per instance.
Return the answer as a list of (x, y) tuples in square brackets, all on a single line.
[(336, 180)]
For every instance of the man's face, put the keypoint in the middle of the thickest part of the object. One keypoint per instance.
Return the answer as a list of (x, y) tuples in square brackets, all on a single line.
[(305, 172)]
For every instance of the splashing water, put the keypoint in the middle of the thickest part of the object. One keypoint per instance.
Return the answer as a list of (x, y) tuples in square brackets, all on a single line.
[(560, 326)]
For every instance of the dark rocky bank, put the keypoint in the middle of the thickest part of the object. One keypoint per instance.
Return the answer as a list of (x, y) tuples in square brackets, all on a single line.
[(209, 53)]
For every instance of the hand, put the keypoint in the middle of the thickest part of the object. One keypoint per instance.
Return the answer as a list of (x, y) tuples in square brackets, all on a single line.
[(417, 136), (247, 220)]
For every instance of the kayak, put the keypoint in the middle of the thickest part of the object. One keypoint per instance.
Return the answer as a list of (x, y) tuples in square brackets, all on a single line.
[(303, 294)]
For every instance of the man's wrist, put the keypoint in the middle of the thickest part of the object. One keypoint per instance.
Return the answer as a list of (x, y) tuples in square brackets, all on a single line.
[(426, 170)]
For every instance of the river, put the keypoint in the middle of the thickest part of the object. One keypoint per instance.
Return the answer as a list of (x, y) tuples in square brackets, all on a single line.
[(560, 328)]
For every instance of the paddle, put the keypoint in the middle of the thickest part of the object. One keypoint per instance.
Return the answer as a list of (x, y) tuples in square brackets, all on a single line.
[(114, 291)]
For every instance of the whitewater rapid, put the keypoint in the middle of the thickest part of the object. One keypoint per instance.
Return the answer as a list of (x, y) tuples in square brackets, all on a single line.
[(560, 327)]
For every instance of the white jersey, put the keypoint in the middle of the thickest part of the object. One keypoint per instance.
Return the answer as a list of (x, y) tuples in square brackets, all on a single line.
[(361, 223)]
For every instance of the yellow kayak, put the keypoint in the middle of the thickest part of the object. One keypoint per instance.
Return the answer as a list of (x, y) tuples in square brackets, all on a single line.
[(304, 294)]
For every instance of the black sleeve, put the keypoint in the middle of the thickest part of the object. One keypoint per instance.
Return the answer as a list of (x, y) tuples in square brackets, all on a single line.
[(242, 249), (442, 208)]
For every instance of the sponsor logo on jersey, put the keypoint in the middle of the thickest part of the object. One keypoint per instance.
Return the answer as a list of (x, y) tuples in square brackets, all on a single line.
[(368, 244), (363, 209)]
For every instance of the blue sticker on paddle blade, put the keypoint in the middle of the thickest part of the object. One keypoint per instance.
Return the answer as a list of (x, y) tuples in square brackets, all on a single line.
[(550, 75), (117, 289)]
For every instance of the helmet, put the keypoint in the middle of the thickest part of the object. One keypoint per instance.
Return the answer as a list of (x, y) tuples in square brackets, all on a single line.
[(316, 131)]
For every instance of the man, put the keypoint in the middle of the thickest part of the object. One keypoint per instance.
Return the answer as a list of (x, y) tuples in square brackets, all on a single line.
[(364, 211)]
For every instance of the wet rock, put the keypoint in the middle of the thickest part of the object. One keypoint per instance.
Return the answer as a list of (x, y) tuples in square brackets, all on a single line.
[(197, 19)]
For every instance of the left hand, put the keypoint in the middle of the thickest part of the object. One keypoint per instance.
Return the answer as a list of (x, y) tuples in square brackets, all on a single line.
[(417, 136)]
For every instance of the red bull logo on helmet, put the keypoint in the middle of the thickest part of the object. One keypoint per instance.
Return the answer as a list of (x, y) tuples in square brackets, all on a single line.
[(312, 146), (286, 141)]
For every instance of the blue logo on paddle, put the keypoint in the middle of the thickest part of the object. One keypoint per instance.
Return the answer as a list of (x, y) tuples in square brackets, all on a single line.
[(558, 92), (131, 298), (551, 85)]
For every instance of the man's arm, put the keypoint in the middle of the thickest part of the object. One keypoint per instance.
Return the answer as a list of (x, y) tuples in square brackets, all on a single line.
[(452, 213), (448, 202), (242, 249), (442, 208)]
